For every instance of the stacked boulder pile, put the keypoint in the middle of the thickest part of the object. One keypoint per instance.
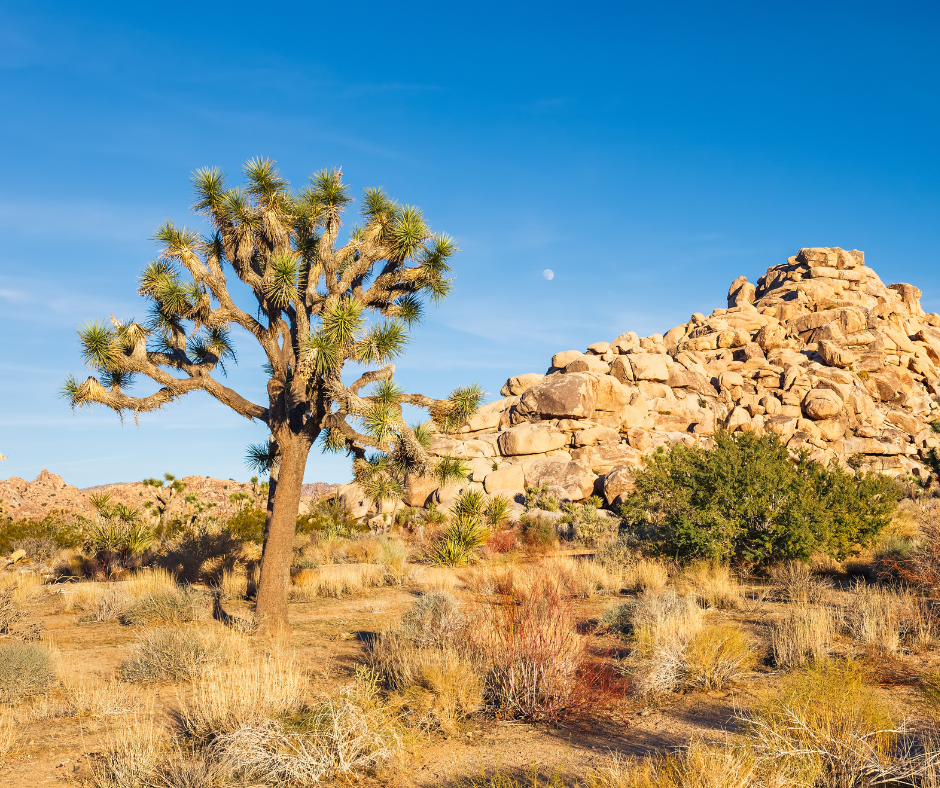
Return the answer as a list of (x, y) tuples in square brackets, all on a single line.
[(818, 351)]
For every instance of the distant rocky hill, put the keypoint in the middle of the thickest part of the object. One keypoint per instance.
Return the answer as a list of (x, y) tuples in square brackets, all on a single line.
[(48, 492), (819, 351)]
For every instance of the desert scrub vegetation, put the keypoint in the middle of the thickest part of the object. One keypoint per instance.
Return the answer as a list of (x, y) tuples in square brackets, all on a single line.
[(675, 648), (801, 634), (336, 580), (828, 728), (745, 500), (887, 620), (86, 696), (25, 669), (712, 583), (431, 681), (795, 581), (178, 653)]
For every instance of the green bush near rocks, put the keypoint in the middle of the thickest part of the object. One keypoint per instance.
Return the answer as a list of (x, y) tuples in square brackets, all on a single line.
[(745, 500)]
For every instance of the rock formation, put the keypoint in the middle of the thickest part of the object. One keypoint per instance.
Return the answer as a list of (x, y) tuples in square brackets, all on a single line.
[(819, 351), (20, 499)]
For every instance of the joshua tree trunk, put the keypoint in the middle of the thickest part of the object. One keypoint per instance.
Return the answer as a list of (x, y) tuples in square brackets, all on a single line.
[(279, 537)]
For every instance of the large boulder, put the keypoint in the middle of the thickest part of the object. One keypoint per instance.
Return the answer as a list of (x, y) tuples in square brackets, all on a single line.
[(649, 366), (418, 489), (530, 439), (617, 482), (487, 417), (834, 356), (518, 384), (822, 404), (510, 477), (602, 458), (571, 396), (576, 482), (565, 357)]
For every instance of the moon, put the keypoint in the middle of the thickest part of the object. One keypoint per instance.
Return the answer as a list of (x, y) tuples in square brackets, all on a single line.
[(549, 274)]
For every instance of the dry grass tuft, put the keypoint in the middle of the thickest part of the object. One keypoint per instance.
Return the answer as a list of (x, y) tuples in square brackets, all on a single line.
[(712, 583), (173, 605), (7, 733), (803, 634), (646, 575), (248, 692), (88, 696), (25, 586), (25, 669), (827, 728), (796, 582), (336, 580), (328, 741), (885, 620), (583, 578), (180, 653), (437, 578), (130, 757), (675, 649)]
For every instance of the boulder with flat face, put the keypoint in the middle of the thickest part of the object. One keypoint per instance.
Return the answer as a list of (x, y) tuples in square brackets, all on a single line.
[(649, 366), (511, 477), (519, 384), (570, 396), (566, 475), (530, 439)]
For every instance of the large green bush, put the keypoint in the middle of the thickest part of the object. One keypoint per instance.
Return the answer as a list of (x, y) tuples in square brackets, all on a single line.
[(746, 500)]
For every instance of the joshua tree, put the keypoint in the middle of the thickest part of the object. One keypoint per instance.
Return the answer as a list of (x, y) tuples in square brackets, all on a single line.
[(314, 305)]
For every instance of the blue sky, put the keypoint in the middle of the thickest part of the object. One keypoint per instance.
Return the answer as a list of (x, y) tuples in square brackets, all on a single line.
[(647, 153)]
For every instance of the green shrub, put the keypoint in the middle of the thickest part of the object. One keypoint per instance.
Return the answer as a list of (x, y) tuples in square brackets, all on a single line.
[(540, 498), (470, 503), (584, 523), (25, 669), (62, 528), (247, 524), (746, 500), (537, 531), (330, 518), (176, 606)]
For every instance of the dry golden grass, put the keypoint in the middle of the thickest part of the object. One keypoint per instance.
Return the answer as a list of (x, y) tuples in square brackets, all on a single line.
[(802, 634), (130, 756), (7, 733), (336, 580), (148, 582), (647, 574), (885, 620), (676, 649), (242, 693), (712, 583), (87, 696), (828, 727), (326, 742), (234, 583), (27, 586), (582, 578), (443, 690), (796, 582), (437, 578)]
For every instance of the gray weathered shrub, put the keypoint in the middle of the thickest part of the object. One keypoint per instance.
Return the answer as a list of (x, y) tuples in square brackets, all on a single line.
[(25, 669)]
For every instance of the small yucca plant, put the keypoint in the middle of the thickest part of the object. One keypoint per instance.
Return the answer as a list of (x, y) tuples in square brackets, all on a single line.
[(498, 508), (470, 503), (461, 538)]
